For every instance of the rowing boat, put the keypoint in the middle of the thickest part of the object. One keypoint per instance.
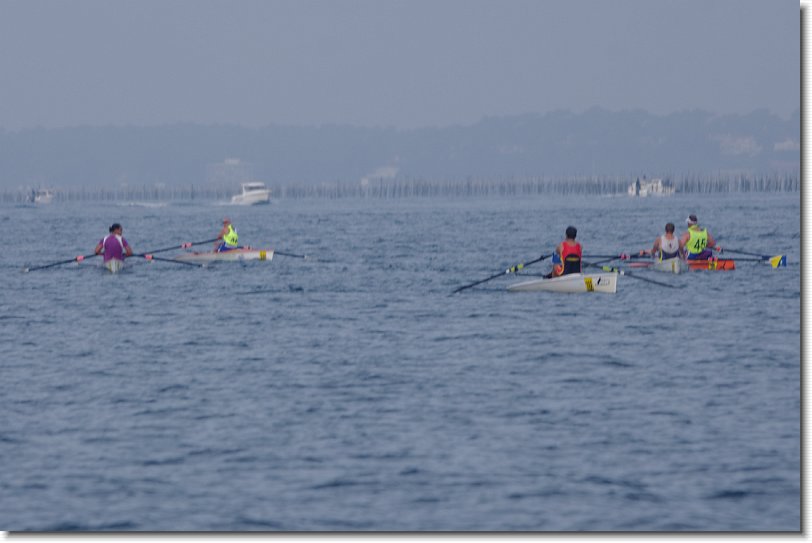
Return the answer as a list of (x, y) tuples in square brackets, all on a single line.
[(713, 264), (677, 265), (574, 282), (246, 253), (114, 265)]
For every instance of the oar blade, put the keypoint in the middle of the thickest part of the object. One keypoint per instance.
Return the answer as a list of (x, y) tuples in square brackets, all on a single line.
[(293, 255), (779, 261)]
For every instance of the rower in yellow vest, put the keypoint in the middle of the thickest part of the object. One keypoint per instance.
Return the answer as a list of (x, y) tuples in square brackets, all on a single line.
[(698, 242), (229, 237)]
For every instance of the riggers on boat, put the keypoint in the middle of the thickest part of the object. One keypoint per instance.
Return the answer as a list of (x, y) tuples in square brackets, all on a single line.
[(246, 253), (572, 283), (713, 264)]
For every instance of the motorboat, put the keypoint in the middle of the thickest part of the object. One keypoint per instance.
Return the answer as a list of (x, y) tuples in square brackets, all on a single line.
[(252, 193), (43, 196), (654, 187)]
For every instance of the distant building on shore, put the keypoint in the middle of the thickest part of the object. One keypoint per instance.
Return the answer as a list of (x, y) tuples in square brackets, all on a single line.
[(653, 187)]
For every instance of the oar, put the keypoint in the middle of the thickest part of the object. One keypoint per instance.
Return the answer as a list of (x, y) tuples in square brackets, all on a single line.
[(628, 274), (280, 253), (74, 259), (512, 269), (775, 261), (607, 259), (736, 251), (181, 246), (150, 258), (621, 256)]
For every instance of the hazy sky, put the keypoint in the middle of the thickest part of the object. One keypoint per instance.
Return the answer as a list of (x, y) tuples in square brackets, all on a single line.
[(402, 63)]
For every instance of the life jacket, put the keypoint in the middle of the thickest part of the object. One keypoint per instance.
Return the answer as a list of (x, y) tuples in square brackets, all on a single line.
[(571, 257), (669, 248), (698, 240), (230, 237), (557, 267)]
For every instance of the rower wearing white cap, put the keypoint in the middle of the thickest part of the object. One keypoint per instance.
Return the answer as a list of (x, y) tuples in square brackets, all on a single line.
[(698, 242), (228, 236)]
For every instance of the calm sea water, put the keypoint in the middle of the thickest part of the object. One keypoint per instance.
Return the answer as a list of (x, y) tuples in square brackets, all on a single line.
[(351, 391)]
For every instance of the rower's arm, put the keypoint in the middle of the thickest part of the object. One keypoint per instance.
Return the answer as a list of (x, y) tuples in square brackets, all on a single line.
[(220, 237)]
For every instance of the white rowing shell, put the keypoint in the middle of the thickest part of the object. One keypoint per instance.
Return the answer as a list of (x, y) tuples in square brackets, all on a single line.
[(574, 282), (671, 265), (236, 254), (114, 265)]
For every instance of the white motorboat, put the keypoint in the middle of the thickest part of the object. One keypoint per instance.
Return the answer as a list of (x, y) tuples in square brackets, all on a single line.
[(43, 196), (574, 282), (252, 193), (654, 187), (246, 253)]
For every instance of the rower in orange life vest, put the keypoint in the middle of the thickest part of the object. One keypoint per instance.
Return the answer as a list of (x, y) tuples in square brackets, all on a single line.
[(665, 246), (228, 236), (697, 242), (567, 256)]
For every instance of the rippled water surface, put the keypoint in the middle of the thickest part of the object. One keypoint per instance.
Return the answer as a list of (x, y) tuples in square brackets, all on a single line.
[(351, 391)]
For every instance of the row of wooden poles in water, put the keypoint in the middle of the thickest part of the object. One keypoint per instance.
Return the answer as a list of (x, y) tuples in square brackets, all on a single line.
[(417, 188)]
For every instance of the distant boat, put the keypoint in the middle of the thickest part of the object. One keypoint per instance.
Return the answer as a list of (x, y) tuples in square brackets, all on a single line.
[(655, 187), (252, 193), (43, 196)]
